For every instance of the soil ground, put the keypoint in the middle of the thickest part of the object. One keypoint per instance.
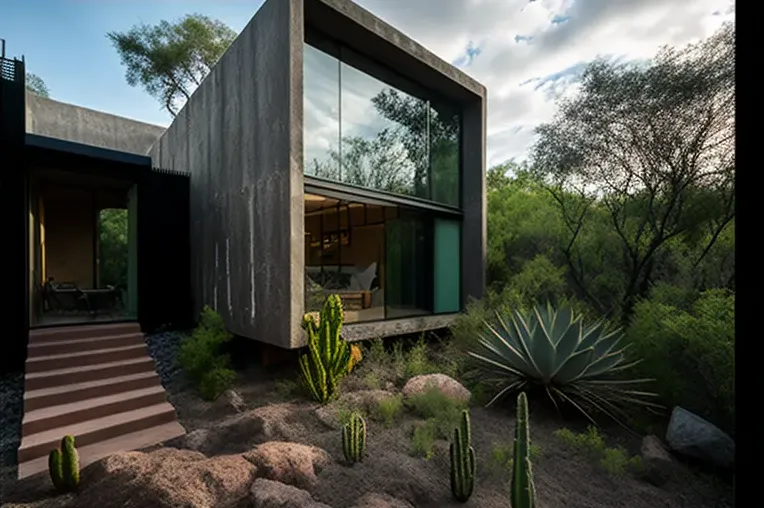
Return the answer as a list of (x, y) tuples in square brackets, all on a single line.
[(563, 477)]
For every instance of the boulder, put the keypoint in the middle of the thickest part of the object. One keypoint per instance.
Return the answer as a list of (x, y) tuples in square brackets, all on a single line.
[(167, 477), (375, 500), (234, 399), (660, 466), (691, 435), (266, 493), (447, 386), (362, 400), (290, 463)]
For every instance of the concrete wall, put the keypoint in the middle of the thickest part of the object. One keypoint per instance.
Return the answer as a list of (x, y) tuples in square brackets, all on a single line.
[(59, 120), (240, 138)]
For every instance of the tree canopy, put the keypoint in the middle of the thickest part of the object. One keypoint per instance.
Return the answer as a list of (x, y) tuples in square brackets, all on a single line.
[(35, 84), (170, 59)]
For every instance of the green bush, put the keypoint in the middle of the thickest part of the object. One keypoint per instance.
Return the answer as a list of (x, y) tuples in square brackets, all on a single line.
[(423, 438), (202, 359), (388, 409), (614, 460), (691, 353), (442, 411)]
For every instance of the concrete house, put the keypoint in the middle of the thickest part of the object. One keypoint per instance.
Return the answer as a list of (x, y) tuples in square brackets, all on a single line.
[(326, 153), (330, 153)]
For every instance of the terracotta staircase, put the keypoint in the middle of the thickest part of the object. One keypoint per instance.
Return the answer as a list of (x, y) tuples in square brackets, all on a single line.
[(97, 383)]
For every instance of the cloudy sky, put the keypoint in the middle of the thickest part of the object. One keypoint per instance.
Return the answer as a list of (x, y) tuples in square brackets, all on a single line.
[(527, 53)]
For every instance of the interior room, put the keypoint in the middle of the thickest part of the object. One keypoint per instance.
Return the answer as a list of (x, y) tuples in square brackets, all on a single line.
[(80, 262)]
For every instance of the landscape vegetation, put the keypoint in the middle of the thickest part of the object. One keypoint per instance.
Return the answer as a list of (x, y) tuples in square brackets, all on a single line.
[(611, 266)]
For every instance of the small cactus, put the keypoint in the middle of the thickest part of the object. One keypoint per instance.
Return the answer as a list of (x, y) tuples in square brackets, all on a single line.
[(354, 438), (462, 461), (522, 489), (64, 466)]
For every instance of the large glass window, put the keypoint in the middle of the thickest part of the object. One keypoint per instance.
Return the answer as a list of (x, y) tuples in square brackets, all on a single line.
[(363, 131), (447, 287)]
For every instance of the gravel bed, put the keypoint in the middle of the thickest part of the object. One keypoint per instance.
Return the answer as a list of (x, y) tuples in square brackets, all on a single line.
[(163, 348), (11, 409)]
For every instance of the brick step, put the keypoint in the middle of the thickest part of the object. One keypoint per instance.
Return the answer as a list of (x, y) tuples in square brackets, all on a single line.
[(44, 335), (49, 418), (84, 358), (60, 347), (89, 454), (74, 375), (97, 430), (66, 394)]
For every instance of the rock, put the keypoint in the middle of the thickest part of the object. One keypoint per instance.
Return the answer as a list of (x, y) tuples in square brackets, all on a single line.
[(235, 400), (266, 493), (447, 385), (660, 466), (691, 435), (168, 478), (362, 400), (290, 463), (374, 500)]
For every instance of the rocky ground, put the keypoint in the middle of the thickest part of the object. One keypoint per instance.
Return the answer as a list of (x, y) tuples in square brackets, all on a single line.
[(261, 447)]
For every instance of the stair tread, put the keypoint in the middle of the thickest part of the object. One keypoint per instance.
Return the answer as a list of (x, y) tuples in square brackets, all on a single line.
[(79, 354), (91, 453), (63, 330), (86, 340), (72, 370), (73, 407), (85, 427), (45, 392)]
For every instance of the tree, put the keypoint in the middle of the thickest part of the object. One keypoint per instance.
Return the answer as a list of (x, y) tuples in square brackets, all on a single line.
[(36, 85), (652, 148), (169, 60)]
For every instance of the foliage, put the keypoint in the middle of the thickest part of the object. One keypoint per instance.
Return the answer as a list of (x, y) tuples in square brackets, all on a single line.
[(649, 151), (356, 355), (690, 349), (112, 247), (354, 438), (614, 460), (202, 359), (36, 85), (462, 456), (433, 404), (554, 349), (63, 466), (328, 356), (522, 489), (388, 409), (423, 438), (503, 454), (170, 59)]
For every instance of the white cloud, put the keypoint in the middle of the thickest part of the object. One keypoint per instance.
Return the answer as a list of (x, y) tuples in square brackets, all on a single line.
[(548, 52)]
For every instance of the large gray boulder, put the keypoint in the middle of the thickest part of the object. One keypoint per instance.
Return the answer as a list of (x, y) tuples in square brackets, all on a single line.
[(691, 435)]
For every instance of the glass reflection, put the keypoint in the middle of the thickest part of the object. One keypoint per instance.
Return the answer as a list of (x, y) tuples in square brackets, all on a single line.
[(384, 136), (321, 107)]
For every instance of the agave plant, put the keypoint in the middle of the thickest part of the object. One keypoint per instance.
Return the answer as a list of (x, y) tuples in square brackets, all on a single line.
[(573, 362)]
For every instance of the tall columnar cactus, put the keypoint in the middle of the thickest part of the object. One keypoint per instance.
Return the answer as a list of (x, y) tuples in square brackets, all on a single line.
[(328, 356), (354, 438), (523, 491), (462, 461), (64, 467)]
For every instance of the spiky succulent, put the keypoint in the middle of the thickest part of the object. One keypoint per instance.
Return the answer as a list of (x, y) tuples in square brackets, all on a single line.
[(552, 348)]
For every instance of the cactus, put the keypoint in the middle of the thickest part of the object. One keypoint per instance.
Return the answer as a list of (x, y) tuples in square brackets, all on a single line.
[(328, 356), (523, 491), (54, 468), (64, 467), (354, 438), (462, 461)]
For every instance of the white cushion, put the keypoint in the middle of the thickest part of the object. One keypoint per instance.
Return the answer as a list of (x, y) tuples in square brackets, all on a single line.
[(366, 276)]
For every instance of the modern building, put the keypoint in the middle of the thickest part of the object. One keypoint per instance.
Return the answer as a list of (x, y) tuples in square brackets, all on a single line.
[(330, 153), (326, 152)]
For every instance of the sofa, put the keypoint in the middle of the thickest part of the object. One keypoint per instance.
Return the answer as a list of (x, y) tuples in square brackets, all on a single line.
[(358, 285)]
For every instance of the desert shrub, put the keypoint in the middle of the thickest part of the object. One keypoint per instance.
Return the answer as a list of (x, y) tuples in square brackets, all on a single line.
[(395, 364), (202, 359), (388, 409), (423, 438), (614, 460), (443, 411), (502, 455), (552, 348), (689, 353)]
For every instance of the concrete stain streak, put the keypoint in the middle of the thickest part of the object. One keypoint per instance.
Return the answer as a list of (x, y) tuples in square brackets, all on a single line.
[(251, 250), (228, 274)]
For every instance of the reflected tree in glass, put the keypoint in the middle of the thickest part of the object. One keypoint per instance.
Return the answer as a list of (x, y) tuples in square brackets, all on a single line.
[(321, 107)]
